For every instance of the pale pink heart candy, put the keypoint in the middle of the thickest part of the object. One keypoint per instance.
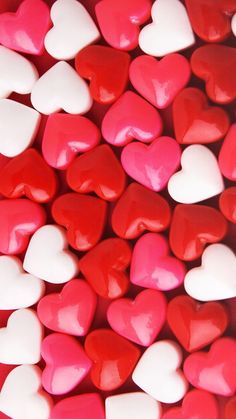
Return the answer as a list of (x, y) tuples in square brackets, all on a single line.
[(152, 165)]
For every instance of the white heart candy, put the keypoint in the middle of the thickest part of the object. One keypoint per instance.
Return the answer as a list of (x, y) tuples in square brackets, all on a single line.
[(233, 24), (132, 405), (20, 340), (170, 31), (22, 396), (47, 256), (215, 279), (18, 127), (17, 74), (158, 374), (73, 30), (199, 179), (17, 288), (61, 88)]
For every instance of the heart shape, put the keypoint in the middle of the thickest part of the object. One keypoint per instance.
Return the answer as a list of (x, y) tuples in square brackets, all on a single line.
[(65, 136), (18, 289), (25, 30), (50, 95), (214, 371), (137, 210), (230, 409), (106, 83), (15, 138), (197, 122), (28, 175), (22, 393), (227, 160), (130, 16), (99, 171), (152, 165), (213, 280), (20, 340), (112, 356), (159, 81), (201, 225), (227, 204), (162, 380), (151, 265), (139, 320), (71, 311), (170, 30), (66, 363), (131, 117), (137, 405), (215, 65), (89, 406), (19, 219), (48, 258), (196, 182), (83, 216), (73, 30), (187, 319), (105, 265)]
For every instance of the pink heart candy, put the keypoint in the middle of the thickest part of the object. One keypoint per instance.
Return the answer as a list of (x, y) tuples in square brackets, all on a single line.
[(89, 406), (152, 165), (151, 265)]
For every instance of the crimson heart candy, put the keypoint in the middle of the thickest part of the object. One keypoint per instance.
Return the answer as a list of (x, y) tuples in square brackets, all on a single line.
[(227, 156), (97, 171), (195, 122), (106, 69), (83, 216), (140, 209), (114, 358), (104, 267), (89, 406), (192, 227), (230, 409), (227, 204)]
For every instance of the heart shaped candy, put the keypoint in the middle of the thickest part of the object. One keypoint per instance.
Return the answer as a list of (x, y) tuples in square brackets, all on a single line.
[(106, 83), (131, 117), (73, 30), (18, 289), (113, 358), (50, 95), (227, 159), (48, 258), (89, 406), (213, 280), (136, 405), (151, 265), (200, 177), (230, 409), (71, 311), (20, 340), (170, 31), (66, 363), (227, 204), (158, 372)]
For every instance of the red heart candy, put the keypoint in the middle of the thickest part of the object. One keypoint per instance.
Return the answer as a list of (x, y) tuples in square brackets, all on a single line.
[(196, 404), (214, 371), (195, 122), (104, 267), (97, 171), (119, 21), (89, 406), (216, 64), (67, 135), (66, 363), (139, 209), (131, 117), (227, 204), (227, 156), (188, 319), (159, 81), (83, 216), (25, 30), (19, 219), (210, 19), (109, 80), (114, 358), (201, 225), (138, 320), (71, 311), (230, 409), (28, 175)]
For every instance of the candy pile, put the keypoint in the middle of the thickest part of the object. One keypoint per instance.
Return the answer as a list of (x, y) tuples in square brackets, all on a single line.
[(117, 209)]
